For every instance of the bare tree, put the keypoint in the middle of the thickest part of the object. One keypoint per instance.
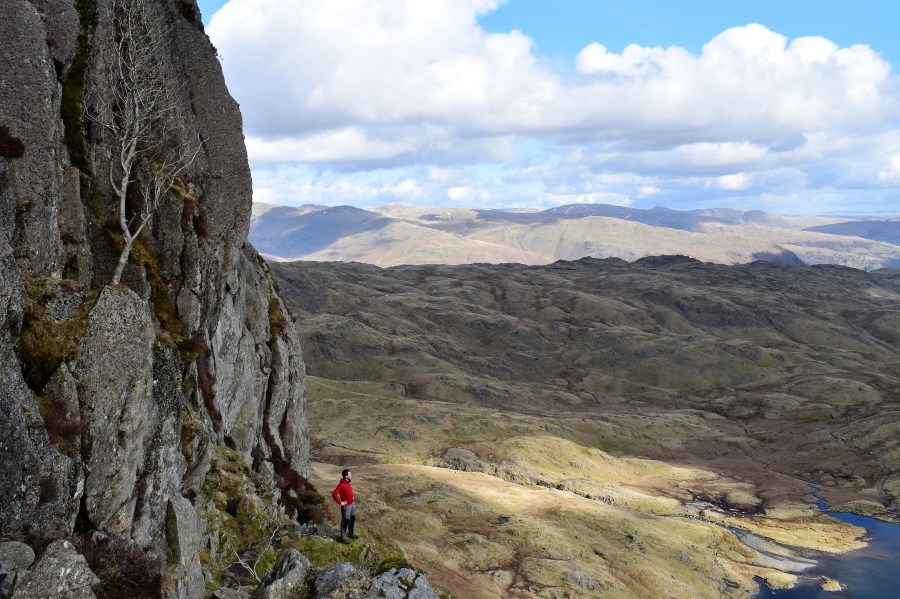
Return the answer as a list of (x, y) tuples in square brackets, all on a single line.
[(252, 570), (140, 111)]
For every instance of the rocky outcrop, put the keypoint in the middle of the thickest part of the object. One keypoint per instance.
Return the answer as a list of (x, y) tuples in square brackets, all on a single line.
[(289, 577), (60, 572), (15, 558), (404, 583), (341, 580), (115, 396), (346, 580)]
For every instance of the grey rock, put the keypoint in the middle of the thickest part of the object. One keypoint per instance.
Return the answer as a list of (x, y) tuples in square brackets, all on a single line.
[(29, 108), (230, 594), (165, 465), (61, 22), (288, 578), (285, 414), (114, 367), (240, 387), (343, 580), (404, 434), (62, 305), (185, 539), (15, 557), (404, 583), (61, 572), (35, 489), (459, 458)]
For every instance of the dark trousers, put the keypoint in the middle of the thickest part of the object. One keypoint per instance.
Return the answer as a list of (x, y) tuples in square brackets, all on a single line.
[(348, 518)]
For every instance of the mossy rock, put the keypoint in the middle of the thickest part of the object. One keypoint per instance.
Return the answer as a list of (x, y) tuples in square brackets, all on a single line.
[(44, 342), (241, 509), (373, 553)]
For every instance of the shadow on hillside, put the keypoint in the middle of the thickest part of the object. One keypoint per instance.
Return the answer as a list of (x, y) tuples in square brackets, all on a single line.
[(288, 232)]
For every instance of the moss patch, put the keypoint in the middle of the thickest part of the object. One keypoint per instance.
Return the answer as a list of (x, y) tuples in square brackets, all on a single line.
[(240, 511), (171, 329), (72, 104), (44, 342), (277, 319), (374, 553)]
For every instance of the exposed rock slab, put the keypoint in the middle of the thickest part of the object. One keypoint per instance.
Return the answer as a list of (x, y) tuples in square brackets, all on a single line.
[(61, 573), (114, 368)]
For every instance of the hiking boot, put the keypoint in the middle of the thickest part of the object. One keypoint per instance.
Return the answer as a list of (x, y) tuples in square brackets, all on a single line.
[(344, 539), (353, 535)]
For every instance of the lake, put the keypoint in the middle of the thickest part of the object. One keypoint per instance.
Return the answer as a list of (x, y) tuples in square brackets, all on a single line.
[(870, 573)]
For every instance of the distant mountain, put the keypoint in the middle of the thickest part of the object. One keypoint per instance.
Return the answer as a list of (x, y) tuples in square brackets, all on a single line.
[(397, 234), (887, 231)]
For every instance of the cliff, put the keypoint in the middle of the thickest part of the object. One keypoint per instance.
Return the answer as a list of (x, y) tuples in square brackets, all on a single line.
[(119, 401)]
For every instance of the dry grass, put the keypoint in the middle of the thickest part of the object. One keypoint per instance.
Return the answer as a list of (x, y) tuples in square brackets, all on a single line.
[(541, 515)]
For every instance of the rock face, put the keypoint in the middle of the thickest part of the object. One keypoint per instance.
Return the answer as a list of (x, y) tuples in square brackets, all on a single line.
[(60, 572), (114, 397)]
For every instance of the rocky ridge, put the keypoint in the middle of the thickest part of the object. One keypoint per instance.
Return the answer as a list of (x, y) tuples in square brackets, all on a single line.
[(120, 401)]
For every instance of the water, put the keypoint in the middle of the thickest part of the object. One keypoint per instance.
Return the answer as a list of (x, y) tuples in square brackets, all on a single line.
[(869, 573)]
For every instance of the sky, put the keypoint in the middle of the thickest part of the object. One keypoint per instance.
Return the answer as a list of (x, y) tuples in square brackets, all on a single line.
[(789, 106)]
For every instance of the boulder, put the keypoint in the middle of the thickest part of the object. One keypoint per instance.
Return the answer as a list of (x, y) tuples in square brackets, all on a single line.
[(341, 581), (404, 583), (15, 557), (61, 573), (288, 578)]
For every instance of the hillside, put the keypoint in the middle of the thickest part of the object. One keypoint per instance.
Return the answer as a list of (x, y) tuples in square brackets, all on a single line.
[(887, 231), (655, 400), (397, 234)]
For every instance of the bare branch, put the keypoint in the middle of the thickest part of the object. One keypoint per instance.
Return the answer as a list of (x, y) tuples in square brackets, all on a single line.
[(139, 109), (262, 552)]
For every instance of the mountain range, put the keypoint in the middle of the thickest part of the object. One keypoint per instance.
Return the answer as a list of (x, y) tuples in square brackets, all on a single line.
[(398, 234)]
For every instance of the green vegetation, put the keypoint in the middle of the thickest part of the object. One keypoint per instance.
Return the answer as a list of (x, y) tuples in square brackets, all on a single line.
[(277, 319), (374, 553), (44, 342), (73, 87), (242, 515), (171, 329)]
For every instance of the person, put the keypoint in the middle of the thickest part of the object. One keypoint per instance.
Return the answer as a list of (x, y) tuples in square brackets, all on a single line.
[(343, 496)]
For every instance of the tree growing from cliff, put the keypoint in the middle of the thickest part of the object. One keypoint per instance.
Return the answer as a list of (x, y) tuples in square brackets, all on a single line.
[(138, 107)]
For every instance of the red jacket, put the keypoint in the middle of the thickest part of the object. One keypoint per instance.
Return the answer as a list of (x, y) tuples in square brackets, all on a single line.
[(343, 492)]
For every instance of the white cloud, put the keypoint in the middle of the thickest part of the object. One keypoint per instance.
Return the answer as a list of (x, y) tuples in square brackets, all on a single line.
[(418, 85), (733, 182), (891, 174), (348, 143)]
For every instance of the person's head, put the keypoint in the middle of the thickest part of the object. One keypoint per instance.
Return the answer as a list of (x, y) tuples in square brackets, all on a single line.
[(346, 474)]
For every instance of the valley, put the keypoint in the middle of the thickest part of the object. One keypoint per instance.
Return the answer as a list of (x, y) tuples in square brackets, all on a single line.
[(604, 428)]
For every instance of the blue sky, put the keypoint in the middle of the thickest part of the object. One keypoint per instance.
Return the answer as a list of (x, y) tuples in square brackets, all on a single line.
[(785, 106)]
